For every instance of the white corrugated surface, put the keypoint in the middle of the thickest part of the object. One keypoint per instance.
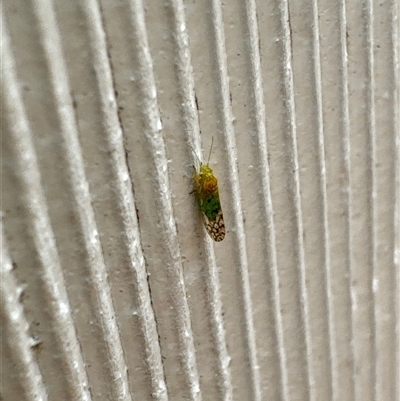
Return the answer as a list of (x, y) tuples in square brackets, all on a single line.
[(111, 288)]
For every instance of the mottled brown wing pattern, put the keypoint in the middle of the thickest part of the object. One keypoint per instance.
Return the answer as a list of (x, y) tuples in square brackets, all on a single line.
[(216, 228)]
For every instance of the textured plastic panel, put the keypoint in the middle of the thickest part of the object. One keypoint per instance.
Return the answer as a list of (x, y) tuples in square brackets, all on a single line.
[(111, 288)]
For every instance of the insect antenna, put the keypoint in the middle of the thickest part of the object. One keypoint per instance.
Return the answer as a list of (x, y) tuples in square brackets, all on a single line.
[(209, 155), (196, 155)]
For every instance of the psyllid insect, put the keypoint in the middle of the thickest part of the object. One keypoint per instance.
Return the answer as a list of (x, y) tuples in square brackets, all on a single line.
[(207, 196)]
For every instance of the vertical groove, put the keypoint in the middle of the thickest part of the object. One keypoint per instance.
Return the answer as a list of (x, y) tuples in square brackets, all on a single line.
[(41, 231), (217, 323), (51, 42), (373, 189), (234, 183), (396, 116), (290, 107), (15, 329), (123, 189), (323, 187), (185, 75), (193, 135), (153, 132), (266, 189), (346, 161)]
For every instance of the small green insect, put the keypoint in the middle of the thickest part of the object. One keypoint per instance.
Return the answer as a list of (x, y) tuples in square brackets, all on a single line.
[(207, 196)]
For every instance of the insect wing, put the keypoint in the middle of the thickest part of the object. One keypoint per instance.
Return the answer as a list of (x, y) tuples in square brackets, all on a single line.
[(216, 227)]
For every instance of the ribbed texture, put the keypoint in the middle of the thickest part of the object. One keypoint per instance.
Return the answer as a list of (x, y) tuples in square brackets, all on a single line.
[(226, 118), (186, 81), (110, 286), (42, 236), (15, 331)]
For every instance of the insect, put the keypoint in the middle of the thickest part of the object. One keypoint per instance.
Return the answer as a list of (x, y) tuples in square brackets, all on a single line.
[(207, 196)]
